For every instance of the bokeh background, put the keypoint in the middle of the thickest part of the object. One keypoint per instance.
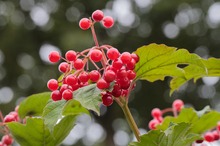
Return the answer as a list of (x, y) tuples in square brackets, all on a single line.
[(30, 29)]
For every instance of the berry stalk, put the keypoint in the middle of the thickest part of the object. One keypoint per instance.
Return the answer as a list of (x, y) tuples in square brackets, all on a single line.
[(131, 121)]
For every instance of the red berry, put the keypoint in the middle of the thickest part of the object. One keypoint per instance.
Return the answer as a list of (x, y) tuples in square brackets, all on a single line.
[(9, 118), (52, 84), (124, 83), (209, 137), (15, 114), (102, 84), (131, 74), (156, 113), (135, 57), (67, 94), (71, 80), (216, 135), (122, 73), (109, 76), (97, 15), (131, 64), (54, 56), (96, 55), (124, 93), (56, 95), (117, 64), (83, 77), (113, 53), (64, 87), (153, 124), (85, 23), (126, 57), (75, 87), (108, 22), (178, 105), (63, 67), (94, 75), (6, 139), (78, 64), (116, 92), (70, 55), (107, 99)]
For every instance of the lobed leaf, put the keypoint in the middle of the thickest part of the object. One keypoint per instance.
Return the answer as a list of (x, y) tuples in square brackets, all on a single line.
[(190, 72), (201, 121), (176, 135), (33, 105), (158, 61)]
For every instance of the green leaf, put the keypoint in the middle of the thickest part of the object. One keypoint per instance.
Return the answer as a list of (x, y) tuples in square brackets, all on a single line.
[(201, 121), (63, 128), (33, 133), (176, 135), (158, 61), (52, 113), (89, 97), (73, 107), (192, 71), (33, 105)]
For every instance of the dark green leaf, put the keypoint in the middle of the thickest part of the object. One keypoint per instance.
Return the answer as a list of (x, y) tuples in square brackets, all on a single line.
[(33, 105), (89, 97)]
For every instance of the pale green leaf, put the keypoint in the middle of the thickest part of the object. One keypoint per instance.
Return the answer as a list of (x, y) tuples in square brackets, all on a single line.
[(159, 61)]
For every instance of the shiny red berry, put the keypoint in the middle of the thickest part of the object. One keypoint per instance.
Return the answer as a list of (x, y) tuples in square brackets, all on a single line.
[(107, 99), (85, 23), (9, 118), (96, 55), (209, 137), (63, 67), (113, 53), (102, 84), (56, 95), (71, 80), (52, 84), (67, 94), (178, 105), (109, 76), (70, 55), (78, 64), (97, 15), (153, 124), (94, 75), (54, 56), (6, 139), (108, 22), (126, 57), (156, 113), (83, 77)]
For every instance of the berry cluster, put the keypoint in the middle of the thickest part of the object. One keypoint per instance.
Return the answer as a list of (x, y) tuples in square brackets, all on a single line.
[(7, 139), (97, 16), (112, 67), (157, 114)]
